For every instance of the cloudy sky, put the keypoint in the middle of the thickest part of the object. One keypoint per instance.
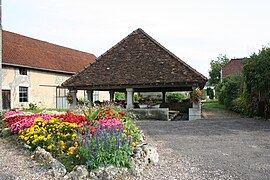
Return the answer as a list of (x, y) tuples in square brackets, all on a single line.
[(194, 30)]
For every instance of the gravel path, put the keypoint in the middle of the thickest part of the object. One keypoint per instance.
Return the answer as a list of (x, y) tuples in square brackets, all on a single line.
[(16, 163), (223, 146)]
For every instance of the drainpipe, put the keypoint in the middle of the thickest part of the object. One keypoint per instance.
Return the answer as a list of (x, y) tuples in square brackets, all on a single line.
[(1, 99)]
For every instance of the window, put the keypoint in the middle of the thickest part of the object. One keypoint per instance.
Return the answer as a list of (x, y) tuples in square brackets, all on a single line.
[(23, 94), (23, 71)]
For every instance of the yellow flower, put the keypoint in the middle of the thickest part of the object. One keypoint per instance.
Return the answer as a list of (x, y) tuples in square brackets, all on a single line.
[(49, 147), (77, 156), (133, 144), (34, 141), (124, 131), (28, 142), (76, 144), (71, 150)]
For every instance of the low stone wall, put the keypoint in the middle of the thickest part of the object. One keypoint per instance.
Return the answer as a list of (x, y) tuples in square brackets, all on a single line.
[(152, 114), (195, 112)]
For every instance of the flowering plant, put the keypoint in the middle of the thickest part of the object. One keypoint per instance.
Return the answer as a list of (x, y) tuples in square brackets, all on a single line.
[(196, 95), (72, 118), (69, 98), (105, 135), (55, 136)]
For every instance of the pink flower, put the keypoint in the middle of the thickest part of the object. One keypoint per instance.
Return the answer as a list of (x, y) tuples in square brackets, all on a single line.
[(27, 121), (12, 113), (109, 122)]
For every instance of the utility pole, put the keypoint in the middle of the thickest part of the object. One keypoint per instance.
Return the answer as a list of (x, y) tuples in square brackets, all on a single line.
[(1, 98)]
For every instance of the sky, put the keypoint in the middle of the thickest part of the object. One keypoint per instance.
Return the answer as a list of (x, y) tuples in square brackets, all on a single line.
[(197, 31)]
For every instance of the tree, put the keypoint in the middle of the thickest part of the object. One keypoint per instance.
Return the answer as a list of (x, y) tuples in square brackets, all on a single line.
[(256, 80), (215, 68)]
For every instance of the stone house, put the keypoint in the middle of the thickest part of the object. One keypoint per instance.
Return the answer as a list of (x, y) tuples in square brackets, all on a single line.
[(33, 70)]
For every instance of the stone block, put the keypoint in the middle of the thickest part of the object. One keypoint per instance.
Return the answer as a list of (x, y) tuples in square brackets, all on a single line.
[(194, 113), (152, 114)]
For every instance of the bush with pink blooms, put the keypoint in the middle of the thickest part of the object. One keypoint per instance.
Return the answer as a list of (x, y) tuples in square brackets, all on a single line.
[(27, 121), (109, 122)]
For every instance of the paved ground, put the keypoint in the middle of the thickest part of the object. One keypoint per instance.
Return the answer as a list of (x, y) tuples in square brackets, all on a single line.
[(222, 146)]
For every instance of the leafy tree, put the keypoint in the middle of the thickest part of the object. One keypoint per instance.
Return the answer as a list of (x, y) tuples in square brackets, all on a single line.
[(257, 77), (216, 65)]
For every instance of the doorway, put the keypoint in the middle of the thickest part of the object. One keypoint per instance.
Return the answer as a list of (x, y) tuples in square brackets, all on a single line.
[(6, 99)]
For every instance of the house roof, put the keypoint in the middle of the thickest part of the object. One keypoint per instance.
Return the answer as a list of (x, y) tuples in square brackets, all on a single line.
[(24, 51), (136, 60), (233, 67)]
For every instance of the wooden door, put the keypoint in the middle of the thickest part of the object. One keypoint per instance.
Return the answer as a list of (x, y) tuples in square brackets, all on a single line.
[(6, 99)]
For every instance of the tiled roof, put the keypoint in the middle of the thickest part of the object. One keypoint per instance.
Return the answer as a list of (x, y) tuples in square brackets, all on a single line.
[(136, 60), (24, 51), (233, 67)]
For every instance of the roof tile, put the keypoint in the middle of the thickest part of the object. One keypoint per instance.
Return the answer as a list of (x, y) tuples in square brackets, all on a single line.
[(24, 51), (136, 60)]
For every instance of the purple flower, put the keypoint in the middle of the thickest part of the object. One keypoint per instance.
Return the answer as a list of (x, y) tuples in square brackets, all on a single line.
[(93, 152), (130, 141)]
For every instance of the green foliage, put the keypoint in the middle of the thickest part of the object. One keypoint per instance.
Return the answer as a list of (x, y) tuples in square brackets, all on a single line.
[(119, 96), (137, 98), (2, 123), (105, 146), (204, 94), (213, 104), (215, 68), (210, 92), (81, 102), (228, 91), (91, 113), (33, 106), (174, 97), (256, 75), (49, 109)]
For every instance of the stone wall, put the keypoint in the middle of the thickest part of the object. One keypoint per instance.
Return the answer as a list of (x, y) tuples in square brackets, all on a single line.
[(152, 114)]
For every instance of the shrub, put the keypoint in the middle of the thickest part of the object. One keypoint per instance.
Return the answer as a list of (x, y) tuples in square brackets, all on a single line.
[(174, 97), (228, 91), (119, 96), (32, 106), (210, 93)]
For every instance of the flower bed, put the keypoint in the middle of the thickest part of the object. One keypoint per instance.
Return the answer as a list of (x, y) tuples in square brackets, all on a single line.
[(102, 136)]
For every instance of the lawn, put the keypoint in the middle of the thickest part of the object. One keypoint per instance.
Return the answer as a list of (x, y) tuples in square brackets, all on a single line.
[(213, 104)]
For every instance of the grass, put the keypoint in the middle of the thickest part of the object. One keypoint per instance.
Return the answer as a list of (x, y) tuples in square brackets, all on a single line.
[(49, 109), (213, 104)]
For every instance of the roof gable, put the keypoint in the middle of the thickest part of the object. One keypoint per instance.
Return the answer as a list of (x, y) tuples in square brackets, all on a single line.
[(24, 51), (136, 60), (233, 67)]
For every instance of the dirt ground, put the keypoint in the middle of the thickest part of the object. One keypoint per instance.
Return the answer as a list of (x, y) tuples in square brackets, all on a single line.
[(223, 145)]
